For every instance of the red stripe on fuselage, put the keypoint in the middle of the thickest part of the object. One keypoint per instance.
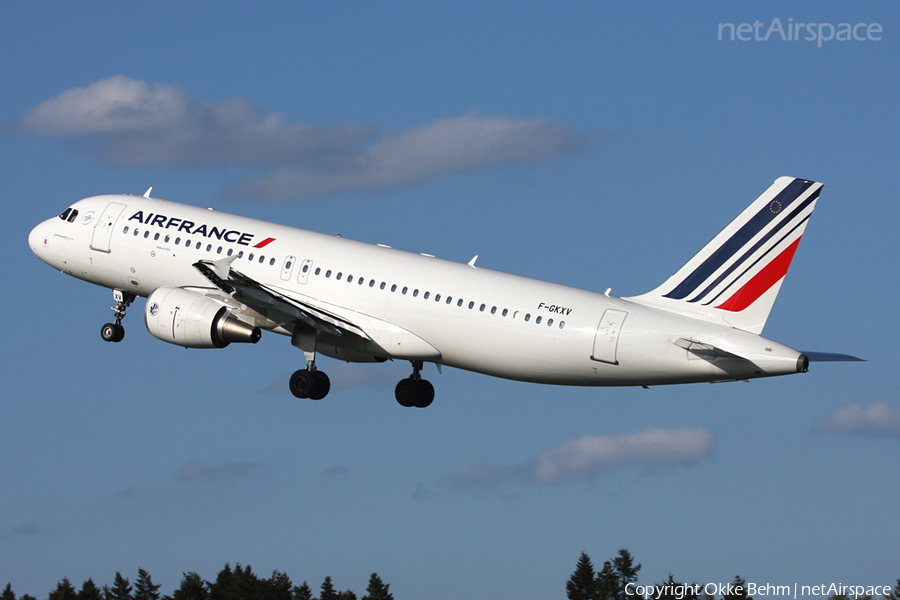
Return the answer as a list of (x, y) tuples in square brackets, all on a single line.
[(761, 282), (264, 243)]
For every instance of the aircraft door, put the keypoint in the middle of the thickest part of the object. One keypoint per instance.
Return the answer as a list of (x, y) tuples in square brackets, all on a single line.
[(607, 338), (288, 267), (305, 268), (104, 227)]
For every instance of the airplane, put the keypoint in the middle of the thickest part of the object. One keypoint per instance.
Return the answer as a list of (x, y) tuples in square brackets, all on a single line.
[(212, 278)]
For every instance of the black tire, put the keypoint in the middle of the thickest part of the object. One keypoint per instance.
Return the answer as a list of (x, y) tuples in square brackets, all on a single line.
[(321, 387), (406, 392), (426, 394), (302, 384), (109, 332), (120, 333)]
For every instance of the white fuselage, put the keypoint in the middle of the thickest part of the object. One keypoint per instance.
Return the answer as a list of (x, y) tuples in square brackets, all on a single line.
[(411, 306)]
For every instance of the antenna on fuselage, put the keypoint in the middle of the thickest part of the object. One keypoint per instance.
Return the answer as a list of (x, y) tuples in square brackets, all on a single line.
[(147, 193)]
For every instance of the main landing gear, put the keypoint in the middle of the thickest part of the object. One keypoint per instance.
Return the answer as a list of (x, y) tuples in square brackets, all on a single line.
[(414, 391), (309, 382), (114, 332)]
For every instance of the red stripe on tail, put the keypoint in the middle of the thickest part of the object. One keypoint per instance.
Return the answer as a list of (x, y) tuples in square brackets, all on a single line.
[(761, 282)]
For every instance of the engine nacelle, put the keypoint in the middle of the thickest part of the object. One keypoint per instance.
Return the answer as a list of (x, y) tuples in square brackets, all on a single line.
[(188, 319)]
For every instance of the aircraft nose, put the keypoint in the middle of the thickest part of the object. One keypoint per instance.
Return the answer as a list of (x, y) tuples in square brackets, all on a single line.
[(38, 239)]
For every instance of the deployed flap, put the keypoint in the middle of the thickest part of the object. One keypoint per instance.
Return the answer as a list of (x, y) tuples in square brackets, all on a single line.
[(276, 306)]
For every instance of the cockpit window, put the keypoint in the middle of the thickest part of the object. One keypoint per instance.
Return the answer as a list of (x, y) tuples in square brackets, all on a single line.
[(72, 216), (65, 214)]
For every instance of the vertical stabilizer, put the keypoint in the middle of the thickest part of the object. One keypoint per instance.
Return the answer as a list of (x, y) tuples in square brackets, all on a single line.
[(735, 278)]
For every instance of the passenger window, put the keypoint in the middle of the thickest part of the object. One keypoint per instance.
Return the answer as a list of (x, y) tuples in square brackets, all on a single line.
[(338, 276), (177, 240), (135, 231), (562, 324), (219, 250), (394, 288), (146, 234), (318, 269), (71, 218), (527, 317), (155, 237), (167, 239), (459, 303), (481, 308), (404, 290), (538, 320), (437, 297), (125, 230), (505, 312), (382, 285), (349, 278), (250, 257), (262, 259), (549, 322), (328, 273), (361, 281), (415, 293), (241, 254), (209, 247), (271, 261), (305, 269), (427, 294), (198, 245), (187, 243), (493, 310), (230, 250)]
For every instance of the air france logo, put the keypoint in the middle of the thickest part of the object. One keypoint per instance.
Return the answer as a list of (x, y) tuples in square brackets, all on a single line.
[(191, 228)]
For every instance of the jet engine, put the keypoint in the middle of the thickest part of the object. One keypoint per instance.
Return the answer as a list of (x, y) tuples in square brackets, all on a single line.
[(188, 319)]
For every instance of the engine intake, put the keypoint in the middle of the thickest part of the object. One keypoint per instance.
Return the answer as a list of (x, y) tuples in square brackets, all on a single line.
[(188, 319)]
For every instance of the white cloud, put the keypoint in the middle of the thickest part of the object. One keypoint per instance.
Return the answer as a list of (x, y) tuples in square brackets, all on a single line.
[(195, 471), (128, 123), (876, 420), (591, 455)]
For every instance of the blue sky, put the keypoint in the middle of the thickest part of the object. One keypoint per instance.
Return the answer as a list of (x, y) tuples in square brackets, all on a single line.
[(591, 144)]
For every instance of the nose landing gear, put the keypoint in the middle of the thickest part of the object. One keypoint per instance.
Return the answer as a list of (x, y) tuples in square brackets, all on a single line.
[(114, 332)]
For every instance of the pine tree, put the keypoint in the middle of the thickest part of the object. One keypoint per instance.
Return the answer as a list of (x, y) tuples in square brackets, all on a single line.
[(8, 593), (347, 595), (738, 590), (89, 591), (895, 593), (607, 583), (328, 591), (144, 588), (581, 585), (63, 591), (623, 565), (121, 589), (302, 593), (192, 588), (278, 586), (377, 589)]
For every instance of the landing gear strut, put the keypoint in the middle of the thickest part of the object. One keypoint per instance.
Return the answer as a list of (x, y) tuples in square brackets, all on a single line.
[(114, 332), (414, 391), (309, 382)]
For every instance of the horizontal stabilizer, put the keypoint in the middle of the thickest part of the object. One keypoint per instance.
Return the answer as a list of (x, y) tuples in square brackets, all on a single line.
[(831, 357)]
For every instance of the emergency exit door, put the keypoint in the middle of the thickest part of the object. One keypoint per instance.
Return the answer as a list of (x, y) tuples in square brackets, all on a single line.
[(607, 338)]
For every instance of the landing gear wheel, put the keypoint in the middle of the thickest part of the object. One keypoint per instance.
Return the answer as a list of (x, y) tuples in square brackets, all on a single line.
[(321, 387), (314, 385), (417, 393), (112, 332), (406, 392), (426, 394)]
